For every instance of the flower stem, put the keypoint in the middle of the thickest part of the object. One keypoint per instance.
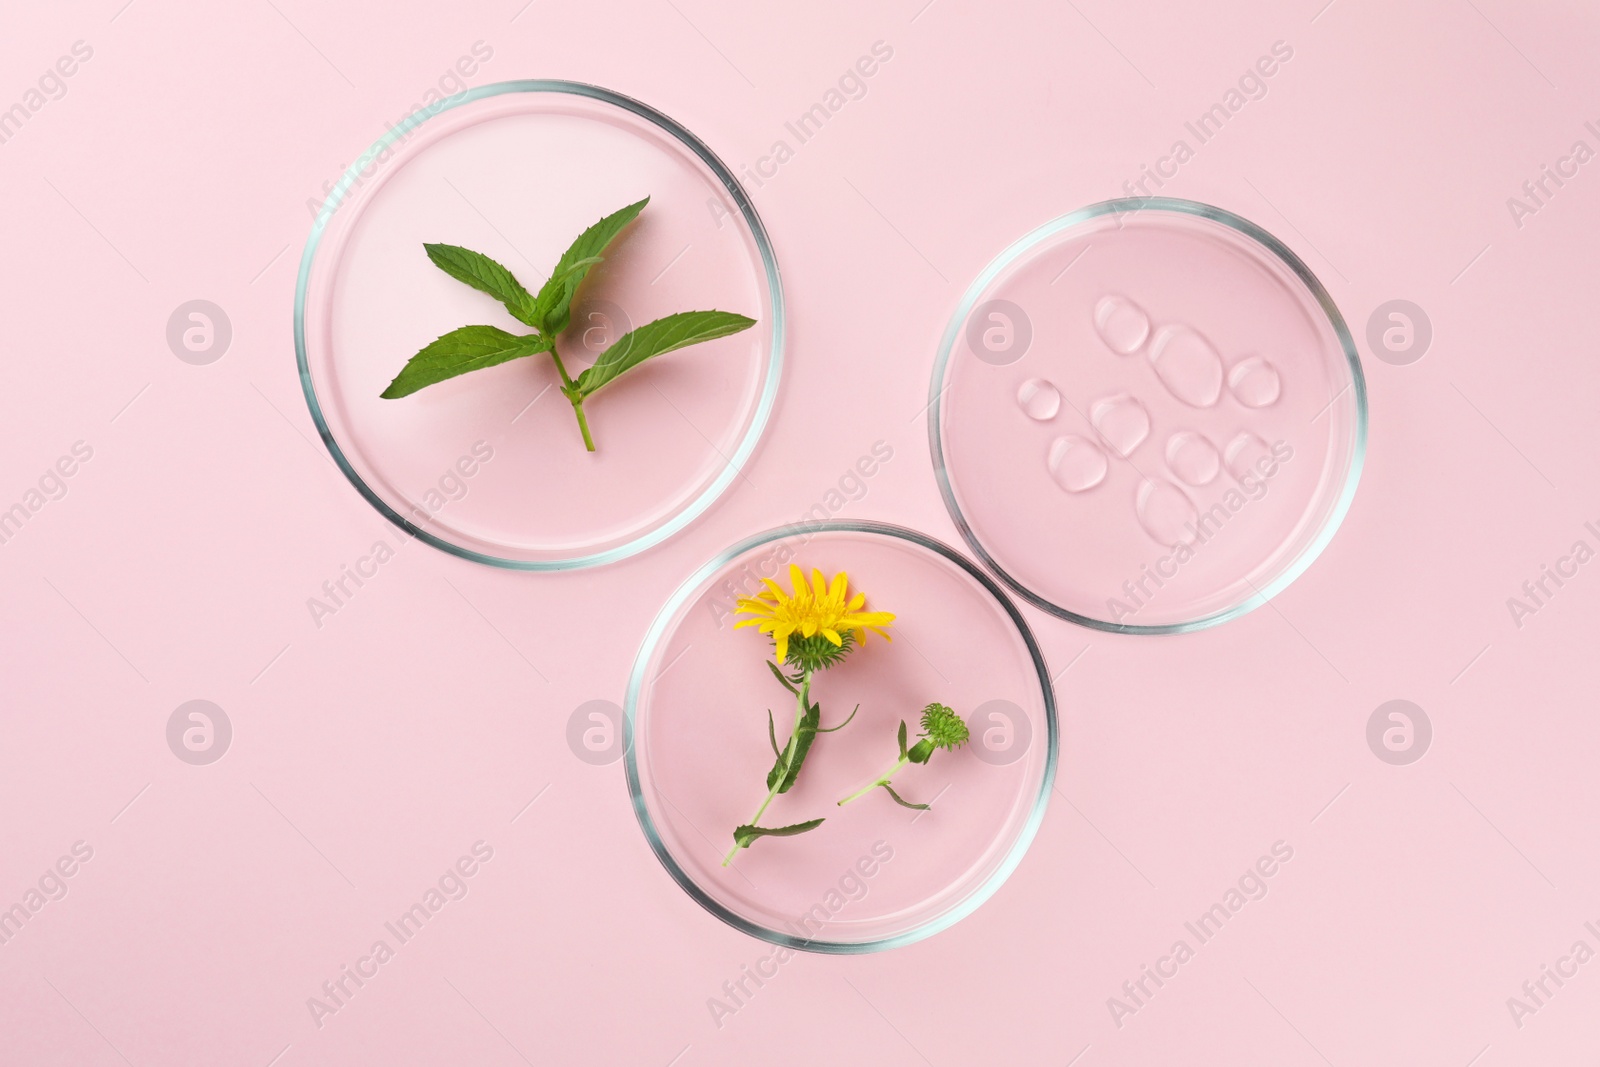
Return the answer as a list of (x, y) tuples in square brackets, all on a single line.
[(788, 754), (876, 782)]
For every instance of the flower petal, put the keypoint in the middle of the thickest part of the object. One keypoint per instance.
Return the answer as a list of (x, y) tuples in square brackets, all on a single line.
[(819, 585)]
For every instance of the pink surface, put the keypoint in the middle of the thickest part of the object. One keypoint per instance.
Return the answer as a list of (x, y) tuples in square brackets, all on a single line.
[(376, 742)]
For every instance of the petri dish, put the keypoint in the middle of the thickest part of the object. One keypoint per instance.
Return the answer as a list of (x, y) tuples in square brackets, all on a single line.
[(490, 465), (874, 875), (1147, 416)]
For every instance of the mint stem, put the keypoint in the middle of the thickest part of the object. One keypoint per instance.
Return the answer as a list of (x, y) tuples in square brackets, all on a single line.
[(583, 424), (572, 394)]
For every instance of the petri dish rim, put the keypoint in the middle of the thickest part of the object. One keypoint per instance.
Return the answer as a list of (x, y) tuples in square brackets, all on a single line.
[(658, 630), (1128, 206), (747, 211)]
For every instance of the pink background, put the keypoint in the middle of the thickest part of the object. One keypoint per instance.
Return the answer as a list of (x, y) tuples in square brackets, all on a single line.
[(372, 752)]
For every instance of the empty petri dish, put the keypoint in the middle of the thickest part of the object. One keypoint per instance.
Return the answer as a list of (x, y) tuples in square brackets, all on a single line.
[(491, 465), (1177, 323), (873, 875)]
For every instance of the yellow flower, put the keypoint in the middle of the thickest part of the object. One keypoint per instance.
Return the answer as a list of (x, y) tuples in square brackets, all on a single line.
[(813, 608)]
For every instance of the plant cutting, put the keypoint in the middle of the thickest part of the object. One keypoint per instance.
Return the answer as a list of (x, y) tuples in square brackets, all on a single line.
[(814, 626), (549, 313), (942, 728)]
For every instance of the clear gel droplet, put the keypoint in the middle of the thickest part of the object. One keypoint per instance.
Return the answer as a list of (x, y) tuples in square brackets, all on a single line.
[(1122, 324), (1254, 382), (1039, 399), (1193, 458), (1166, 512), (1122, 421), (1187, 365), (1248, 456), (1076, 463)]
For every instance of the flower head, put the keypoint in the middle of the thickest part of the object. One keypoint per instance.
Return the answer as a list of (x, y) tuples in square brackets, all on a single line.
[(943, 727), (823, 618)]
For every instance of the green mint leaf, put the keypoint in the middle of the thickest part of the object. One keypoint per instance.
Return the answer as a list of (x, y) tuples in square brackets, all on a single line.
[(552, 308), (486, 276), (459, 351), (902, 801), (743, 835), (582, 264), (657, 338)]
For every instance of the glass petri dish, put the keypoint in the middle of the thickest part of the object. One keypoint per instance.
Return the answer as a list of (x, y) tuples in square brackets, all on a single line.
[(874, 875), (490, 465), (1147, 416)]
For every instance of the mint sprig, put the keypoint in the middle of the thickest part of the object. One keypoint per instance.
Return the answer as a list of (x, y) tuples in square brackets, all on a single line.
[(549, 313)]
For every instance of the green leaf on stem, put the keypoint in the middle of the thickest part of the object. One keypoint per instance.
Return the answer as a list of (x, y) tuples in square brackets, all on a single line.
[(902, 739), (743, 835), (841, 726), (783, 679), (779, 765), (468, 349), (582, 264), (772, 735), (902, 801), (793, 756), (658, 338), (803, 739), (552, 308), (486, 276)]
